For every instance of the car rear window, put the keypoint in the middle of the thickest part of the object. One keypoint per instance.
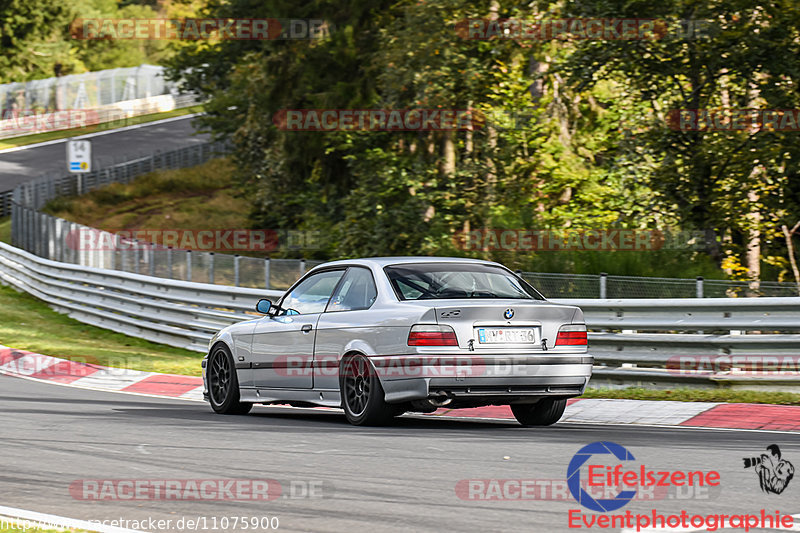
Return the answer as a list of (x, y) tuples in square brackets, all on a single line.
[(439, 281)]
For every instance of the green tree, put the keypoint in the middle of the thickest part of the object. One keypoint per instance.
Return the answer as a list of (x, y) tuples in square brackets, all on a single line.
[(32, 38), (736, 186)]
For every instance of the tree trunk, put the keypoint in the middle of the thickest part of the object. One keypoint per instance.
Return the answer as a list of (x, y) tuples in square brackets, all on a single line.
[(449, 159), (753, 252), (787, 233)]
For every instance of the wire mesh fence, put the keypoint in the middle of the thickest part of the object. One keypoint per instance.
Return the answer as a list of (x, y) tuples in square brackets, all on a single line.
[(87, 90), (554, 285), (49, 237)]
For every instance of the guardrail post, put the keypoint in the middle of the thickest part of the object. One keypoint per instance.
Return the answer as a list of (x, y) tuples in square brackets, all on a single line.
[(699, 287), (58, 237), (31, 237), (151, 259), (71, 252), (236, 270), (169, 262), (603, 280), (26, 229), (37, 234), (51, 237), (112, 257), (266, 272), (123, 256), (211, 267), (188, 265), (302, 267), (136, 256)]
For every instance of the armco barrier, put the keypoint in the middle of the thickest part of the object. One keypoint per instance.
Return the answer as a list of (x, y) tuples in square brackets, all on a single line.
[(178, 313), (187, 314)]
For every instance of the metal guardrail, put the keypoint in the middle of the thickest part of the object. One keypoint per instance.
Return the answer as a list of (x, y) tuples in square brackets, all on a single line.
[(692, 314), (635, 342), (187, 314), (177, 313)]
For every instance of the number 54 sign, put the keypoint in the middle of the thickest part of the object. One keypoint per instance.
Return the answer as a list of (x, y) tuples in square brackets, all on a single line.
[(79, 156)]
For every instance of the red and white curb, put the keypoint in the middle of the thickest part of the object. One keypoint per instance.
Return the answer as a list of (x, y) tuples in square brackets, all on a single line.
[(91, 376), (585, 411)]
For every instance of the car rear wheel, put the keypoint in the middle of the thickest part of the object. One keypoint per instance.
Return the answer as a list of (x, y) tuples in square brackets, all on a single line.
[(223, 385), (545, 412), (362, 393)]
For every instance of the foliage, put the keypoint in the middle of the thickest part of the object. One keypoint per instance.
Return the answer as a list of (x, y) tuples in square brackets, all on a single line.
[(36, 40), (575, 132)]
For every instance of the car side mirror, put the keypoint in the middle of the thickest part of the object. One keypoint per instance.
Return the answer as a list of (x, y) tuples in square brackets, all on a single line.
[(263, 306)]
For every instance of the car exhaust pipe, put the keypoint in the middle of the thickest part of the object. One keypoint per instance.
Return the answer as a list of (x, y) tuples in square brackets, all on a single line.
[(441, 400)]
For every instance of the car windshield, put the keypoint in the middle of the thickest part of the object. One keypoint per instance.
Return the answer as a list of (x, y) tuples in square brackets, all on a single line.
[(431, 281)]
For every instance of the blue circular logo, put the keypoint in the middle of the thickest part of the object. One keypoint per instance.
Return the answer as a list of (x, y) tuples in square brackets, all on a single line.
[(509, 314), (574, 476)]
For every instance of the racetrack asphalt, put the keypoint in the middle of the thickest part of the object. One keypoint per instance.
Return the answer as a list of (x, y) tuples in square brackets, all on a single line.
[(23, 165), (397, 478)]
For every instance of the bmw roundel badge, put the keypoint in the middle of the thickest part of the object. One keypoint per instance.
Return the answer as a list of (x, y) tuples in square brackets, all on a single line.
[(508, 314)]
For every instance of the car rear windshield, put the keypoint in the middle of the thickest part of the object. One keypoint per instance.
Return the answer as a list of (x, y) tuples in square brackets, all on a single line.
[(436, 281)]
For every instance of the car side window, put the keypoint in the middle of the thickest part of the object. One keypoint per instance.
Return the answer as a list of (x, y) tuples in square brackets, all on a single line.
[(312, 294), (357, 291)]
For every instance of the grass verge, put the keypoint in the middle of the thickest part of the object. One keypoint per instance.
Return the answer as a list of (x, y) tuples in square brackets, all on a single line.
[(722, 395), (26, 323), (5, 229), (74, 132), (201, 197)]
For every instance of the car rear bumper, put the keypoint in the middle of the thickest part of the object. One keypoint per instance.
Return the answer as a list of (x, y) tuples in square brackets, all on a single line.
[(407, 378)]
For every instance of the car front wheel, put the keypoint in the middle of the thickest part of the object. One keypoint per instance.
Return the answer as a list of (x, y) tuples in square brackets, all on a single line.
[(223, 385), (362, 393), (545, 412)]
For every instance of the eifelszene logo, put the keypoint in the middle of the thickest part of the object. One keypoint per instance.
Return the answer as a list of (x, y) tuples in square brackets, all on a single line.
[(574, 476), (774, 473), (590, 461)]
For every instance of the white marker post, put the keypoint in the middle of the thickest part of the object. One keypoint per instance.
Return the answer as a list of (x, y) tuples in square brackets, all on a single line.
[(79, 159)]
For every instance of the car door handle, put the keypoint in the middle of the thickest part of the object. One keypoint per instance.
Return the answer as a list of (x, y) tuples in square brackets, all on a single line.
[(306, 328)]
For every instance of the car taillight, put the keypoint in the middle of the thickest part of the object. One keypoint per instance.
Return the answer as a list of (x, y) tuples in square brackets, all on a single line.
[(430, 335), (572, 335)]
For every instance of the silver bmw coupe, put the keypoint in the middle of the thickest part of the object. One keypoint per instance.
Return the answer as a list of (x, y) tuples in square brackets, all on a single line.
[(383, 336)]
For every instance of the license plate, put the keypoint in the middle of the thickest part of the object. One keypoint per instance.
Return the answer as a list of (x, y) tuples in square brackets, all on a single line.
[(507, 335)]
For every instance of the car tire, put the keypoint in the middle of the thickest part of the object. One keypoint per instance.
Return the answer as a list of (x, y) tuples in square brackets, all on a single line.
[(362, 393), (223, 384), (545, 412)]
